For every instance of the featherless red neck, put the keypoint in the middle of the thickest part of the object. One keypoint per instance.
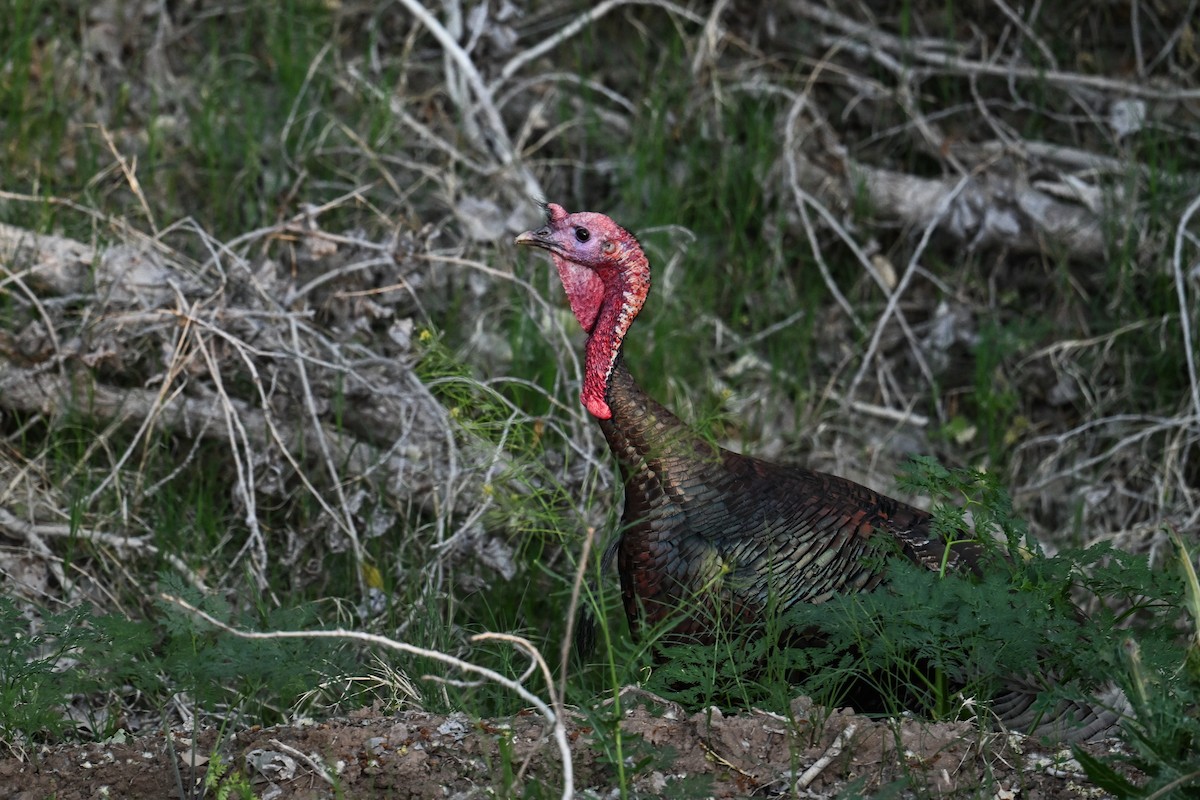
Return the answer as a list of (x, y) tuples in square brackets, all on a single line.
[(606, 277)]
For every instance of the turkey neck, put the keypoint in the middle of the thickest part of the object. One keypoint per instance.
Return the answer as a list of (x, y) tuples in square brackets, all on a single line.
[(651, 444)]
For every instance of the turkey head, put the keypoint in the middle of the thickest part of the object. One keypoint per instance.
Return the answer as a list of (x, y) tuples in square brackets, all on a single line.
[(606, 276)]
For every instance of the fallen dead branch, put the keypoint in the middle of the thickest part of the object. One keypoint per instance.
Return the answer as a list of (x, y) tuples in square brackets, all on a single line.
[(34, 534), (998, 205), (835, 750), (988, 211), (940, 54)]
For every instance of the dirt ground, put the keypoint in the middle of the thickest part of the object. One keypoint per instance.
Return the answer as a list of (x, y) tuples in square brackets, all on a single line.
[(667, 754)]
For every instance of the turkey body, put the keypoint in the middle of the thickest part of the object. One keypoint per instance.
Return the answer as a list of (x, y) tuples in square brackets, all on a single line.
[(728, 535), (711, 537)]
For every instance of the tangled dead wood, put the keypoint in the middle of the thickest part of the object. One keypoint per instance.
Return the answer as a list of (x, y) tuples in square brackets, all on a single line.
[(147, 342)]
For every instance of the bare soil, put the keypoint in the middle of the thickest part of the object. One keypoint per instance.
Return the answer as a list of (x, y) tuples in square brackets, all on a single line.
[(416, 754)]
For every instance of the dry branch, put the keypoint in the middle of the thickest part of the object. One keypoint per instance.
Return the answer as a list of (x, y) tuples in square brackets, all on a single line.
[(941, 54), (992, 210), (416, 471), (60, 265), (551, 711)]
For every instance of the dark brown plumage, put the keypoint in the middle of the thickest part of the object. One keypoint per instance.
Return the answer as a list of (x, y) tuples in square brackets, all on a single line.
[(700, 521), (705, 528)]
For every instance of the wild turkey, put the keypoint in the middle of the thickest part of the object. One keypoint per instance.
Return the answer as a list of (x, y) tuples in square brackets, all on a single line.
[(705, 527)]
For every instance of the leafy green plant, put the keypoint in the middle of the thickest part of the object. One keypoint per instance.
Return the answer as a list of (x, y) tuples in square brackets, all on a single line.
[(78, 652), (31, 687), (72, 651), (226, 781), (995, 398), (260, 679), (1164, 730)]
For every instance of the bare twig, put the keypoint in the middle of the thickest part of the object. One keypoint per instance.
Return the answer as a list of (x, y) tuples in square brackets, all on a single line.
[(320, 768), (564, 655), (483, 95), (906, 416), (1027, 32), (802, 199), (346, 518), (940, 212), (424, 131), (835, 749), (710, 37), (1152, 427), (1186, 309), (555, 720), (18, 278), (129, 171), (141, 544)]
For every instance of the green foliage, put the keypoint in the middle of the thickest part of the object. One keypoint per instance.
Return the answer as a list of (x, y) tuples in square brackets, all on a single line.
[(79, 652), (1164, 731), (261, 678), (64, 653), (955, 493), (996, 398), (36, 106), (227, 782), (216, 153)]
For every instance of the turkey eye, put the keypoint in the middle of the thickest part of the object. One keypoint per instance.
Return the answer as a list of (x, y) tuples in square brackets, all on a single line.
[(582, 234)]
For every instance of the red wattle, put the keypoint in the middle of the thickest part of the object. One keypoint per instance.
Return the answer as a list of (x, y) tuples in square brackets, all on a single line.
[(596, 407), (585, 290)]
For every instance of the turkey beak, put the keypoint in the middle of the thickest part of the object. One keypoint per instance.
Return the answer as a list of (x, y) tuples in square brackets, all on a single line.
[(542, 238)]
